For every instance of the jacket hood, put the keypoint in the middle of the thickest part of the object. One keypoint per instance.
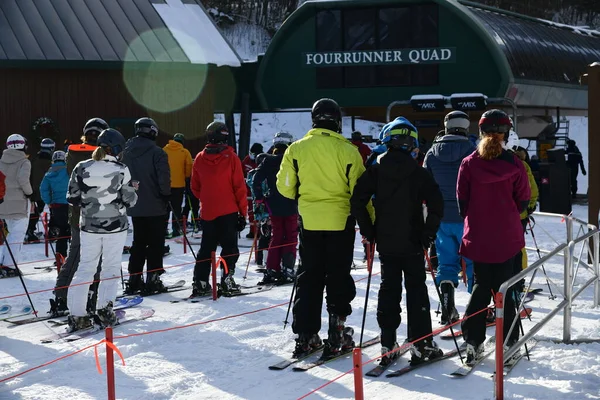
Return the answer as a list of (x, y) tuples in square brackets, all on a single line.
[(452, 148), (396, 165), (326, 132), (173, 145), (56, 168), (493, 171), (11, 156), (212, 156), (138, 145)]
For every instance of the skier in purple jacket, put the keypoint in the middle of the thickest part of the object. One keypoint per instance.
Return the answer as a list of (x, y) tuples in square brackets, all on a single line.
[(492, 190)]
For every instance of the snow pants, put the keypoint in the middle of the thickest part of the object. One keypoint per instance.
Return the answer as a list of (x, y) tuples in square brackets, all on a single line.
[(447, 243), (284, 236), (176, 202), (390, 294), (488, 278), (15, 237), (34, 216), (326, 263), (94, 245), (148, 245), (220, 231), (262, 243), (59, 227)]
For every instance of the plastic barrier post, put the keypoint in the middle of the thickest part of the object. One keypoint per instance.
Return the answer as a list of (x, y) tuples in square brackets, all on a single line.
[(358, 374), (213, 261), (110, 365), (184, 234), (46, 233), (499, 376)]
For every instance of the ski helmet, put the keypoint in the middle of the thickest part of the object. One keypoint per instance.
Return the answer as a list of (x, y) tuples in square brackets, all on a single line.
[(92, 129), (146, 127), (178, 137), (402, 133), (217, 133), (283, 138), (326, 114), (16, 142), (457, 122), (356, 135), (256, 149), (495, 121), (59, 155), (47, 146), (111, 141)]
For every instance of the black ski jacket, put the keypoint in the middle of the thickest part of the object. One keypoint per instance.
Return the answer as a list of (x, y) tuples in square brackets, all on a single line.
[(279, 206), (400, 187)]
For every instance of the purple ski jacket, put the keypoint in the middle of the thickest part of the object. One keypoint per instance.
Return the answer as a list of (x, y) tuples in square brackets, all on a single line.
[(491, 194)]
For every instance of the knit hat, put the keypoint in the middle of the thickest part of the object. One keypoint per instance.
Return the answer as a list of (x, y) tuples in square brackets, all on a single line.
[(178, 137), (256, 148)]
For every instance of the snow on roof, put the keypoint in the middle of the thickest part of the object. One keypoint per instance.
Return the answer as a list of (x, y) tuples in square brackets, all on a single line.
[(197, 35)]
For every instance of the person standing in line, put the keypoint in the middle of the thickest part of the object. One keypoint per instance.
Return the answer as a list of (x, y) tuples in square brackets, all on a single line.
[(218, 181), (492, 190), (443, 161), (574, 162), (261, 214), (283, 213), (39, 166), (102, 188), (401, 187), (363, 149), (191, 205), (53, 190), (14, 210), (180, 164), (249, 163), (75, 154), (320, 171), (149, 167)]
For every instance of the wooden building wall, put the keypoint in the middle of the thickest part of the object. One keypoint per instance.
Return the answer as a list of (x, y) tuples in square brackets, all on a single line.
[(71, 96)]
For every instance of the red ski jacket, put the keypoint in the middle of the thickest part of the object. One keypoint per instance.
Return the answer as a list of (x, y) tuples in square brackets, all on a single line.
[(363, 149)]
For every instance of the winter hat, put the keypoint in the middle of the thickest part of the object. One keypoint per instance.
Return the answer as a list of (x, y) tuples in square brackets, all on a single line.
[(178, 137), (256, 148)]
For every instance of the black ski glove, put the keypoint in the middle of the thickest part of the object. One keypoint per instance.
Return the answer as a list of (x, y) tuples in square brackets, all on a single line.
[(241, 223), (368, 232), (427, 240)]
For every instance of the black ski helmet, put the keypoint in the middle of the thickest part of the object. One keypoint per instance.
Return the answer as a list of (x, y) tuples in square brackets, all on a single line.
[(92, 129), (356, 135), (326, 114), (495, 121), (217, 133), (111, 141), (47, 146), (457, 123), (146, 127)]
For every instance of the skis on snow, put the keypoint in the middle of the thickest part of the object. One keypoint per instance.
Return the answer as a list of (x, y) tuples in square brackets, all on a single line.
[(286, 363), (510, 364), (121, 304), (412, 367), (244, 291), (321, 360), (488, 349), (384, 364), (177, 286)]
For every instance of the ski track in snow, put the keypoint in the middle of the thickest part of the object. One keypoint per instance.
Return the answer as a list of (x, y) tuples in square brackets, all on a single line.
[(228, 359)]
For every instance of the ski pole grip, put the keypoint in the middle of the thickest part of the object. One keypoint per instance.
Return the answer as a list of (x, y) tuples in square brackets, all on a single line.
[(358, 374)]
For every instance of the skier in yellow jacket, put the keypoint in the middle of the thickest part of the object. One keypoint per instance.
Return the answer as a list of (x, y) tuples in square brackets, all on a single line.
[(180, 164), (320, 171)]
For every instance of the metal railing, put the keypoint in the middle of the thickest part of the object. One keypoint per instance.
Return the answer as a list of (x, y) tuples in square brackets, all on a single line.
[(571, 264)]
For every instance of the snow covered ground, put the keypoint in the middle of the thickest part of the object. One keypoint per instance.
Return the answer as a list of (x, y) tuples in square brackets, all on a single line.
[(228, 359)]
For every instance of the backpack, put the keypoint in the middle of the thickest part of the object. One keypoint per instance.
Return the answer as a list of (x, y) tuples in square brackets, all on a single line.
[(260, 213)]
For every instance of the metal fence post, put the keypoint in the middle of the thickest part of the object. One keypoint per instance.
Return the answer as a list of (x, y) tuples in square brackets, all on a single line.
[(569, 222), (499, 377), (596, 266), (568, 293)]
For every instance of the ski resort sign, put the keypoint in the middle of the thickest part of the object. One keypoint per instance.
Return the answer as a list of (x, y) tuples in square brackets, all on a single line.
[(436, 55)]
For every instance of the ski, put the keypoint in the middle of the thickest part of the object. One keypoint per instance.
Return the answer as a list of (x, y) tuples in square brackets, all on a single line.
[(124, 316), (523, 314), (533, 290), (286, 363), (121, 304), (177, 286), (489, 347), (321, 360), (379, 369), (244, 291), (5, 309), (412, 367), (38, 271), (510, 364)]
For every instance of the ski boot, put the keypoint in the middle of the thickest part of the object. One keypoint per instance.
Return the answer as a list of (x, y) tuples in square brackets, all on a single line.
[(388, 343), (154, 284), (339, 338), (271, 277), (287, 276), (106, 317), (58, 307), (228, 285), (201, 289), (474, 351), (79, 323), (166, 250), (424, 350), (306, 343), (134, 285), (449, 313), (7, 272), (31, 237), (490, 318)]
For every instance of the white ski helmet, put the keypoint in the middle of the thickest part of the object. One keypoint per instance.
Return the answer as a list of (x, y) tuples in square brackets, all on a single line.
[(16, 142), (59, 155), (457, 122), (283, 138)]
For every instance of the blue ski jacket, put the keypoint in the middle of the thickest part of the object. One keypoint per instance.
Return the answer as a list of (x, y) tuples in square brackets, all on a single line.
[(55, 184)]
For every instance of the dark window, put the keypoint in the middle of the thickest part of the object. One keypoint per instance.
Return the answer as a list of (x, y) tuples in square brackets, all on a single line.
[(377, 29)]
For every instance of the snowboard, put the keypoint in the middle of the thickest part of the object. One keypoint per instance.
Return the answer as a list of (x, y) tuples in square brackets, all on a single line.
[(124, 316)]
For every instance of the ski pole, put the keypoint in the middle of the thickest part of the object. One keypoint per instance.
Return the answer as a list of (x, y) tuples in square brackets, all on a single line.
[(18, 271), (437, 289), (291, 299), (181, 230), (191, 210), (370, 257), (518, 316), (252, 248), (552, 296), (298, 273)]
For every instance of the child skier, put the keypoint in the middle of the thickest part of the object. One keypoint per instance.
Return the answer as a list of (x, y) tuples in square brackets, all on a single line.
[(401, 187), (260, 214), (53, 190)]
